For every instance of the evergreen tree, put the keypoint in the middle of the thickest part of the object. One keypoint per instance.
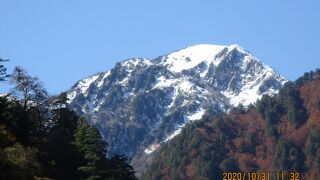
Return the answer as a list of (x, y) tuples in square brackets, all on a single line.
[(287, 156), (41, 137), (94, 164), (268, 108), (88, 141), (62, 157), (312, 149), (290, 99), (17, 159), (120, 169), (15, 119)]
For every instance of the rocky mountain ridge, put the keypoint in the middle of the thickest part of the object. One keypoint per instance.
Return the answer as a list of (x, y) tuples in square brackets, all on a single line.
[(142, 103)]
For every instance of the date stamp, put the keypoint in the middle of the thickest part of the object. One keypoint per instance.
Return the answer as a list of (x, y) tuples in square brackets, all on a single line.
[(282, 175)]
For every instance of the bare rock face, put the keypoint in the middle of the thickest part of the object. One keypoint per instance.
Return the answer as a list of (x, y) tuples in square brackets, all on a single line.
[(142, 103)]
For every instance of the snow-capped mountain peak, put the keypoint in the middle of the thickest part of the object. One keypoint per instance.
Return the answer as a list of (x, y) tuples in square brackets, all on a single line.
[(142, 103), (192, 56)]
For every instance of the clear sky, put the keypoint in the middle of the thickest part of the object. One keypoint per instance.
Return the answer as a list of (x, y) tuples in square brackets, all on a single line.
[(64, 41)]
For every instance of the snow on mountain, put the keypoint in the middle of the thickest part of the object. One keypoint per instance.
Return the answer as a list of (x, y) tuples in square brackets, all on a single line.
[(142, 103), (191, 56)]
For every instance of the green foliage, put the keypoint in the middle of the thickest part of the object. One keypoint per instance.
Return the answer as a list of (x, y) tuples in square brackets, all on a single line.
[(41, 137), (15, 119), (308, 76), (312, 149), (229, 165), (62, 157), (19, 162), (269, 109), (206, 148), (88, 141), (290, 99), (287, 156), (272, 131), (281, 154), (240, 109), (189, 148), (313, 142), (120, 169), (95, 165)]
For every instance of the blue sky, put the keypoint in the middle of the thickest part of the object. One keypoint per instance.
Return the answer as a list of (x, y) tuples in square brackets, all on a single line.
[(64, 41)]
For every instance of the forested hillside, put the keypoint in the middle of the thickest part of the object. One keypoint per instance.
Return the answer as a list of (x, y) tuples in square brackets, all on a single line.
[(40, 138), (279, 133)]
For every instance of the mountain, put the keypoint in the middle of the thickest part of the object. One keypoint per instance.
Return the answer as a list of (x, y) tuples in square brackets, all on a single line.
[(142, 103), (279, 134)]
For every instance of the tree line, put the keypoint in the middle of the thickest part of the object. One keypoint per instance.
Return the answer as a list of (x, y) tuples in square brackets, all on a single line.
[(279, 133), (41, 138)]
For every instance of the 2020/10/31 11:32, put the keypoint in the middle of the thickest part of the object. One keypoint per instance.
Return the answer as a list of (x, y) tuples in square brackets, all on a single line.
[(261, 176)]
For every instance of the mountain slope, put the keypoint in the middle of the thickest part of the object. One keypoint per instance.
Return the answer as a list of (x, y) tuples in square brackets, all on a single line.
[(142, 103), (281, 133)]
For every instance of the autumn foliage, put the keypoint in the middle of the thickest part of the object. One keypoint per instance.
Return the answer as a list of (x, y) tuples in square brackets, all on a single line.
[(279, 133)]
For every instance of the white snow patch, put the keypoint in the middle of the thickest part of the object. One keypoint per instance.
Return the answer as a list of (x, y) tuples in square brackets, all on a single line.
[(83, 86), (239, 48), (71, 95), (175, 133), (85, 83), (250, 93), (173, 98), (103, 78), (245, 97), (195, 116), (96, 109), (185, 86), (88, 108), (130, 64), (151, 148), (192, 56), (163, 82), (124, 81), (3, 94), (181, 84)]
